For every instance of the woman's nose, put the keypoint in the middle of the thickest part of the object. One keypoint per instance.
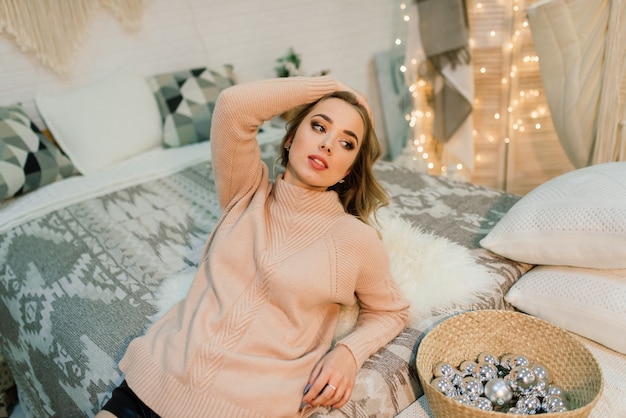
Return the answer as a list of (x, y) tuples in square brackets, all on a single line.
[(324, 148)]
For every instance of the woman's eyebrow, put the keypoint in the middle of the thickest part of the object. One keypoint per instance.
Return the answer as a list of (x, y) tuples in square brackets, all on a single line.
[(345, 131)]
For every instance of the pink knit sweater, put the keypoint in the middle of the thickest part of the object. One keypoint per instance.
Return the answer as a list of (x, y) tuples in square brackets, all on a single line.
[(264, 303)]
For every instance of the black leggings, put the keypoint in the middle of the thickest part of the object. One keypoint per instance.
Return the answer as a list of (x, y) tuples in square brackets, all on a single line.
[(125, 404)]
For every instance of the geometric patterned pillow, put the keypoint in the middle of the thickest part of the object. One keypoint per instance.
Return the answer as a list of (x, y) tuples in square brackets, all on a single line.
[(27, 159), (186, 100)]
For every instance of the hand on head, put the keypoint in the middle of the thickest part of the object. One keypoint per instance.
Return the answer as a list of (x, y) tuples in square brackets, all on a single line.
[(359, 97)]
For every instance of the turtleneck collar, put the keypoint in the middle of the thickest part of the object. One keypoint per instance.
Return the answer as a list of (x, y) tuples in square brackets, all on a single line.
[(303, 199)]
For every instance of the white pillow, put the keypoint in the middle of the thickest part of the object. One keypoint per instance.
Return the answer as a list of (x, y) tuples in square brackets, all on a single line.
[(105, 121), (577, 219), (589, 302)]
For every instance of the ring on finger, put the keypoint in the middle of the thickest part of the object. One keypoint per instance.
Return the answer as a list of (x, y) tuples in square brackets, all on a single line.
[(331, 386)]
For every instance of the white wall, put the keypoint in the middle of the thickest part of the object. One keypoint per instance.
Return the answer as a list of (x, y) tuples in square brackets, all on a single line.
[(340, 35)]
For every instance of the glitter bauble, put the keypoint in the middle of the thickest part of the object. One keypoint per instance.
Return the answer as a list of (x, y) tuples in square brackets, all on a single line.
[(471, 387), (516, 411), (498, 391), (522, 379), (486, 371), (486, 357), (541, 372), (483, 404)]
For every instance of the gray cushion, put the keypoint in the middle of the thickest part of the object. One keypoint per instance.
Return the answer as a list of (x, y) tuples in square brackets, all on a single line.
[(27, 159), (186, 100)]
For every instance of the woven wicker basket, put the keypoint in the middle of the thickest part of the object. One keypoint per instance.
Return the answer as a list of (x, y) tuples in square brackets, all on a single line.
[(464, 336)]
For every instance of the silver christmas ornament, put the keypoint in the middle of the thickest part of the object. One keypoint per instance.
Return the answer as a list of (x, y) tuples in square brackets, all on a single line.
[(457, 378), (483, 404), (521, 361), (553, 402), (443, 369), (442, 384), (540, 389), (495, 383), (541, 372), (529, 404), (463, 399), (498, 391), (486, 357), (556, 390), (522, 379), (506, 361), (486, 371), (472, 387), (467, 367)]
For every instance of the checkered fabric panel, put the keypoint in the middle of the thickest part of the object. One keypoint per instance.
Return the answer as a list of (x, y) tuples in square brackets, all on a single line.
[(186, 100), (27, 159)]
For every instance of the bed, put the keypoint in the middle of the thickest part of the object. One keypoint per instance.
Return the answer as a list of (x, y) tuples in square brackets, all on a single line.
[(91, 260)]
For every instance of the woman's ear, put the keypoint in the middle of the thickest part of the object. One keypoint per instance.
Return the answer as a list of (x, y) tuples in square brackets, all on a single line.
[(287, 143)]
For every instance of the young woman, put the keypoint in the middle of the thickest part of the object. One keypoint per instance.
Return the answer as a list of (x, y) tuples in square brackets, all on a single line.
[(253, 336)]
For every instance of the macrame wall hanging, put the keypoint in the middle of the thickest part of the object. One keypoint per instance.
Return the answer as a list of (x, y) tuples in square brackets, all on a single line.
[(54, 29)]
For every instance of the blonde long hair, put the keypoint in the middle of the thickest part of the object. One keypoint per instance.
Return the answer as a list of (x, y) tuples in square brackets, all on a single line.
[(361, 194)]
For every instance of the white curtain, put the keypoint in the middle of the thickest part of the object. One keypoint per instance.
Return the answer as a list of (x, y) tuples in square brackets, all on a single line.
[(581, 45)]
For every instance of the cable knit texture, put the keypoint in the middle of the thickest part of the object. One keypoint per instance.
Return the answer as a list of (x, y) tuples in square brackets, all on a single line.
[(264, 303)]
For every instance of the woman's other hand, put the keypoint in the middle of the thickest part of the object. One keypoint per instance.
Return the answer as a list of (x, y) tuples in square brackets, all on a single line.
[(332, 380)]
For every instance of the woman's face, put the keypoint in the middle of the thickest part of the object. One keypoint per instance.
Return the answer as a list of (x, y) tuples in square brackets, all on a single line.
[(325, 145)]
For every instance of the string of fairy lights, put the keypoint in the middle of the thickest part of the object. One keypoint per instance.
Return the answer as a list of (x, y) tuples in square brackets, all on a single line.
[(503, 107)]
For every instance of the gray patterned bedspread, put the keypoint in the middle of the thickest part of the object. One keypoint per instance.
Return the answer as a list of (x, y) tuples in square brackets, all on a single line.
[(76, 284)]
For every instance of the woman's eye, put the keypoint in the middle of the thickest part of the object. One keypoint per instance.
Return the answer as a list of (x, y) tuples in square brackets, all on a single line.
[(317, 126), (347, 145)]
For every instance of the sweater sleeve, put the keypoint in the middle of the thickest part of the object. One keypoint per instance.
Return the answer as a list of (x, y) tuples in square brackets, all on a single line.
[(384, 312), (239, 111)]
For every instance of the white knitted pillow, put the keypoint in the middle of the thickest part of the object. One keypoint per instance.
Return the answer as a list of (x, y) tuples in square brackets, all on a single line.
[(589, 302), (576, 219)]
